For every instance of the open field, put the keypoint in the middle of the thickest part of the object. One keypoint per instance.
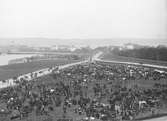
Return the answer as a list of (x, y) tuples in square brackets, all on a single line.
[(110, 56), (9, 71)]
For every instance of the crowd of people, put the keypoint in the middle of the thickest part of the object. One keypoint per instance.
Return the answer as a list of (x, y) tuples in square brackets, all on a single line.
[(92, 91)]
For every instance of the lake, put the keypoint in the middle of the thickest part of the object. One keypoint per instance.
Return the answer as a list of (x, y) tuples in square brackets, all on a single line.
[(5, 58)]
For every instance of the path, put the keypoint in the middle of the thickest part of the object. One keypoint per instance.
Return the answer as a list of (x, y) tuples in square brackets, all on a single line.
[(39, 73), (97, 58), (157, 119)]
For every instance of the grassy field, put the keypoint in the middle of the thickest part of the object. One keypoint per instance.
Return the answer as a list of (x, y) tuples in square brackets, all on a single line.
[(9, 71), (110, 56)]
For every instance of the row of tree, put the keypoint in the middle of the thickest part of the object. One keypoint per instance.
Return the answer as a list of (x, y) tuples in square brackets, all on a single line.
[(153, 53)]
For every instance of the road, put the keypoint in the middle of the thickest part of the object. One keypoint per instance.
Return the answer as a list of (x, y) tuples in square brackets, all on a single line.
[(43, 72), (39, 73), (157, 119), (97, 58)]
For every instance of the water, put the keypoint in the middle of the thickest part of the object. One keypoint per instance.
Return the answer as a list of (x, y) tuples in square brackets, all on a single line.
[(5, 58)]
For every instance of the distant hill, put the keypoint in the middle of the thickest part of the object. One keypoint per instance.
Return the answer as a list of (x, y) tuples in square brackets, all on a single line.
[(92, 42)]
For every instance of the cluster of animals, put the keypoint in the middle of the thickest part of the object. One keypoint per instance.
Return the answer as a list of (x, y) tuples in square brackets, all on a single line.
[(91, 91)]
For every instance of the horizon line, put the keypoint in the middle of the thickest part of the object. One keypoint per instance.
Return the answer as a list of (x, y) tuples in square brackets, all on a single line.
[(73, 38)]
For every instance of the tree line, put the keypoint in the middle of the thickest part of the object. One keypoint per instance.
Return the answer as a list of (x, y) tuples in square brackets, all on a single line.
[(152, 53)]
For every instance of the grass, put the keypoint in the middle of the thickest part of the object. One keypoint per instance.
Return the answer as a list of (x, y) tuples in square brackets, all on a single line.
[(110, 56), (9, 71)]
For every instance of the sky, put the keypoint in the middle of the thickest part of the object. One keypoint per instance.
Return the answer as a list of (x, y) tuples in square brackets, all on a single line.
[(84, 19)]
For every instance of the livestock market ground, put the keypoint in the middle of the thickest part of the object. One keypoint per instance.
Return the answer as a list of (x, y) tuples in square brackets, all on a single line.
[(142, 84), (50, 81)]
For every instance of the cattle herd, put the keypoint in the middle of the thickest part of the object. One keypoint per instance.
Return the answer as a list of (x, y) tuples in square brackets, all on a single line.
[(92, 91)]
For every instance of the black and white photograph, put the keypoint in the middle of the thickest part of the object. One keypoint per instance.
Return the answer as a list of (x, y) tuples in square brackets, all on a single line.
[(83, 60)]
